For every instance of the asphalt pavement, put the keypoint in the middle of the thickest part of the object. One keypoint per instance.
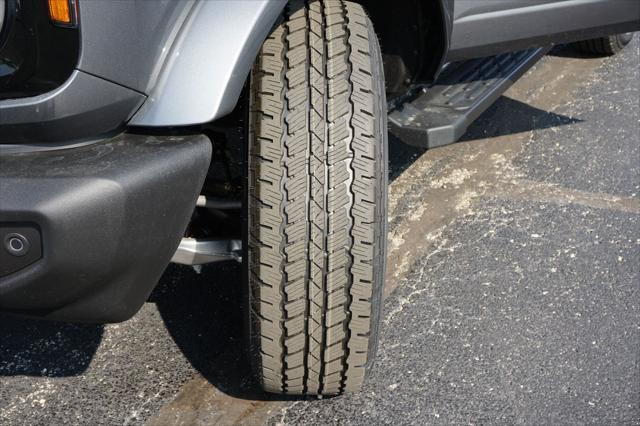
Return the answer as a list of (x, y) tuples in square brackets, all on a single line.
[(513, 289)]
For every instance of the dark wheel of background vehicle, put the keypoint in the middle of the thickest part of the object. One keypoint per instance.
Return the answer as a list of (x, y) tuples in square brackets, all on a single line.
[(604, 46), (317, 200)]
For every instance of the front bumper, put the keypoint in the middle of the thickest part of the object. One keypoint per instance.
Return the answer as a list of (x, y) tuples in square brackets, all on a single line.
[(100, 223)]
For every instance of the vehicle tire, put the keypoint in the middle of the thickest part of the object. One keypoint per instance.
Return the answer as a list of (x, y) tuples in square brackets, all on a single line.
[(317, 200), (604, 46)]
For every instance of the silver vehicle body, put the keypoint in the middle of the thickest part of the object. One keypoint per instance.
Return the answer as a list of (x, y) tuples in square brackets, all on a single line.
[(485, 27), (153, 63), (179, 63), (207, 64), (193, 69)]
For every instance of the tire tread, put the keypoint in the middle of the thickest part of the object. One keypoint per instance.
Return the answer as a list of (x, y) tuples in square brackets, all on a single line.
[(316, 175)]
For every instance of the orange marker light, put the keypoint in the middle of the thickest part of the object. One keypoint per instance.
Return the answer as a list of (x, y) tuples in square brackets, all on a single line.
[(62, 12)]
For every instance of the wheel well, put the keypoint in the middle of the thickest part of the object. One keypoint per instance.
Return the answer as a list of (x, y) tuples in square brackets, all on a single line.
[(412, 38)]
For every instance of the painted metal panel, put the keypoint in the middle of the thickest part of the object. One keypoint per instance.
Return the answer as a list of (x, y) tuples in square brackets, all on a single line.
[(208, 64)]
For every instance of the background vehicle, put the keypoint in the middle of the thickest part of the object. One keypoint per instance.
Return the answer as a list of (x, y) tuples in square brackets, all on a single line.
[(259, 127)]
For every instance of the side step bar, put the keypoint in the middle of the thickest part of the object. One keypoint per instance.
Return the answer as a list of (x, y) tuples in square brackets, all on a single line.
[(192, 251), (200, 251), (440, 114)]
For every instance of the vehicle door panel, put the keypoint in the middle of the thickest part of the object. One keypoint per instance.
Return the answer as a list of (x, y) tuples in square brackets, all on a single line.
[(486, 27)]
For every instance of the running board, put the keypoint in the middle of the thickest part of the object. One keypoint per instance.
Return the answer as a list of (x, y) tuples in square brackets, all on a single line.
[(440, 114)]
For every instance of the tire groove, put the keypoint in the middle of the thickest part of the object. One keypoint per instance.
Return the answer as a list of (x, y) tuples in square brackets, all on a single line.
[(325, 193), (305, 377), (283, 207), (349, 284)]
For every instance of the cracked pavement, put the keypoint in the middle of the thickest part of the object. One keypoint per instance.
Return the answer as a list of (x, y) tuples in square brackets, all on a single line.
[(513, 289)]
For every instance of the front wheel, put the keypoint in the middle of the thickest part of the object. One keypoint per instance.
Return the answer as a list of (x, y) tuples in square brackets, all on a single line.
[(317, 200)]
